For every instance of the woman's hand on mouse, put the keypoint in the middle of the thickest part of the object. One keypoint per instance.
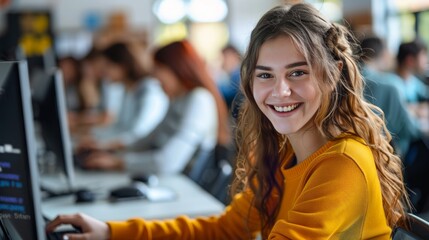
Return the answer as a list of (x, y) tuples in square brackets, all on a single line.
[(91, 228)]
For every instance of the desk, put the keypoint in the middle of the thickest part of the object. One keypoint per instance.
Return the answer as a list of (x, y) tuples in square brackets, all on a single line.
[(191, 200)]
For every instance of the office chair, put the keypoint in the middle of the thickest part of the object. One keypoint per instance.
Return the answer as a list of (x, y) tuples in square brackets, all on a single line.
[(197, 171), (219, 188), (416, 177), (212, 171), (418, 229)]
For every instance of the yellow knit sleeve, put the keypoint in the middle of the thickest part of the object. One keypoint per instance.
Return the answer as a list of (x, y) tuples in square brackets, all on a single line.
[(239, 221)]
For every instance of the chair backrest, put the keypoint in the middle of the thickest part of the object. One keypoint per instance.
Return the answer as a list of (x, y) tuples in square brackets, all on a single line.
[(202, 160), (212, 170), (219, 188), (418, 229)]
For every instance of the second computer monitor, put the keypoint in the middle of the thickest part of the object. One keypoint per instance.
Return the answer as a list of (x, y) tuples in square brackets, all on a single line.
[(51, 116)]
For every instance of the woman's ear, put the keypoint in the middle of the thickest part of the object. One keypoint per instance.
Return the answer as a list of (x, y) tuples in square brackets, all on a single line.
[(340, 65)]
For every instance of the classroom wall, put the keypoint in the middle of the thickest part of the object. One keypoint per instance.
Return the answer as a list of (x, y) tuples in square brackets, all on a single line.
[(70, 15), (244, 14)]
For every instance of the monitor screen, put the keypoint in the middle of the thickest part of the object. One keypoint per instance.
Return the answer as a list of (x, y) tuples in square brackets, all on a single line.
[(19, 218), (32, 29), (51, 117)]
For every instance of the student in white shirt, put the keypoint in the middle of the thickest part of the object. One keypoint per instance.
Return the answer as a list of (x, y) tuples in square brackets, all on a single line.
[(197, 117), (143, 104)]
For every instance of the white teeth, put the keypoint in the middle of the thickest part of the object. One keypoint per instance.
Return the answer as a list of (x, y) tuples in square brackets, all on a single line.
[(286, 108)]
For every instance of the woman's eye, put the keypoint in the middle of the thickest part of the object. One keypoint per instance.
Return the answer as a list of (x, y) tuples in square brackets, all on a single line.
[(297, 73), (264, 75)]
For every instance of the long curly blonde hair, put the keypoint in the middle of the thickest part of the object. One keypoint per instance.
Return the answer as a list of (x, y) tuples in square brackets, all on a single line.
[(324, 45)]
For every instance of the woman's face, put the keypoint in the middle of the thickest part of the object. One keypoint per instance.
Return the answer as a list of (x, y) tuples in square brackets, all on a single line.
[(169, 82), (283, 87)]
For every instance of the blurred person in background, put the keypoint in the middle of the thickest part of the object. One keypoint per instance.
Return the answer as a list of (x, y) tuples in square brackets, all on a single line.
[(196, 119), (91, 84), (412, 61), (231, 63), (95, 92), (72, 75), (406, 130), (381, 91), (142, 107)]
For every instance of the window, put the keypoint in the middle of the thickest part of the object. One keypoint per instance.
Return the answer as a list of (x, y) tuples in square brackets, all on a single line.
[(423, 26), (407, 21)]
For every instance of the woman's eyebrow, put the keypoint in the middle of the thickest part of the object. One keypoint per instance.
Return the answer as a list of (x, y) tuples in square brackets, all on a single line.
[(260, 67), (291, 65), (296, 64)]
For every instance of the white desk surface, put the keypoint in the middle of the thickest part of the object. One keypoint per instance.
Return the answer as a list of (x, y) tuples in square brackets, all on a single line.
[(191, 199)]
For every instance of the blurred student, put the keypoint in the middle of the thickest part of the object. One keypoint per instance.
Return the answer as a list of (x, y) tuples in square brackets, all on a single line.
[(380, 91), (142, 107), (196, 119), (406, 130), (231, 63), (412, 61), (92, 90), (313, 163), (72, 75), (91, 83)]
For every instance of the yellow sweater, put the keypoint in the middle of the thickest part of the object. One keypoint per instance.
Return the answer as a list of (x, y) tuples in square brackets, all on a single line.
[(333, 194)]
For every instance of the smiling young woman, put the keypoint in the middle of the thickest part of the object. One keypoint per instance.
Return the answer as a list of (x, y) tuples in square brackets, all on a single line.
[(314, 160)]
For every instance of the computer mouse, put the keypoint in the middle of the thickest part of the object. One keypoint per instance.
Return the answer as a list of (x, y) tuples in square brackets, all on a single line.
[(136, 190), (148, 179), (84, 196)]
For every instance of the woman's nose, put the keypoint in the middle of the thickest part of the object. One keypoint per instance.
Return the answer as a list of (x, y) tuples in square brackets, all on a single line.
[(281, 89)]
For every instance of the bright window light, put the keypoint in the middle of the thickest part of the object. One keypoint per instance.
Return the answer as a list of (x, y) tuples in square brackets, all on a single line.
[(207, 10), (412, 5), (169, 11), (330, 10)]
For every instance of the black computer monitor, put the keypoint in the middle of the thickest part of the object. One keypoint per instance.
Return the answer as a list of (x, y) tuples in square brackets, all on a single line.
[(20, 216), (41, 63), (51, 117)]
